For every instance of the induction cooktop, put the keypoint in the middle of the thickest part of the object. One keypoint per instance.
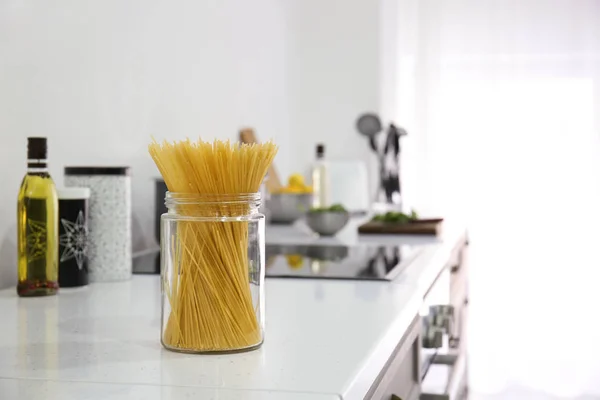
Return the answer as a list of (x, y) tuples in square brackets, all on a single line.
[(362, 262), (359, 262)]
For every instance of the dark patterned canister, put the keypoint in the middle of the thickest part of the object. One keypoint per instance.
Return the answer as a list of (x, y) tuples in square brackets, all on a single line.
[(109, 244), (73, 236)]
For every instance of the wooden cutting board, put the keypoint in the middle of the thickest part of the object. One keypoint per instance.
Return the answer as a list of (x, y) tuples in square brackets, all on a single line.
[(273, 183), (419, 227)]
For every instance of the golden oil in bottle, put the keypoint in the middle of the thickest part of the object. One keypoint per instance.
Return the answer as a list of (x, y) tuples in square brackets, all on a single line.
[(37, 228)]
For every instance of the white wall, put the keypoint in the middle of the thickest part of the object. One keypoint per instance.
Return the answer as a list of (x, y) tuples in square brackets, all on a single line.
[(343, 60), (333, 76), (99, 77)]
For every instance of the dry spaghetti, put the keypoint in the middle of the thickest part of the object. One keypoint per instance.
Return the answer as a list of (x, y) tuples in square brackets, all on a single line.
[(207, 286)]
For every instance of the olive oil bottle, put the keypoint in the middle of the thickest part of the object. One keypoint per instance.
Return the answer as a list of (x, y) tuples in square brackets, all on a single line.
[(37, 228)]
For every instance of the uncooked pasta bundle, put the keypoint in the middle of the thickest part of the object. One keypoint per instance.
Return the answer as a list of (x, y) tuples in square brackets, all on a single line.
[(209, 245)]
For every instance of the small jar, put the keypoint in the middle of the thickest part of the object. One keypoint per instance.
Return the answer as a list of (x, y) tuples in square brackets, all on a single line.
[(73, 236), (212, 272)]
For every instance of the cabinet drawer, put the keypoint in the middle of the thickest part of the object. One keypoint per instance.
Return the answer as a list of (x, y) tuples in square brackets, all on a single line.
[(459, 276), (400, 377)]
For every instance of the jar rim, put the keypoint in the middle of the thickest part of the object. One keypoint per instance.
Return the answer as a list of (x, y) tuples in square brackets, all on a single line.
[(175, 198)]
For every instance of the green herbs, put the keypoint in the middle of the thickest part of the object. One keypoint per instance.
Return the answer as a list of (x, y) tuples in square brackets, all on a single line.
[(396, 217), (333, 208)]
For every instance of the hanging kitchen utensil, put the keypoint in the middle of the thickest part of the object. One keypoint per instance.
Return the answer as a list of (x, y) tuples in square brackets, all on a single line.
[(391, 168), (388, 154), (369, 125)]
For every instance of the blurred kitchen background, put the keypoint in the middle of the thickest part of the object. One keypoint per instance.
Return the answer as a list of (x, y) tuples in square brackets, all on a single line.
[(501, 101)]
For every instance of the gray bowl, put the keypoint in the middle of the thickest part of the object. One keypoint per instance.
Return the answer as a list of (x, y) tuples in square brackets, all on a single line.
[(327, 223), (285, 208)]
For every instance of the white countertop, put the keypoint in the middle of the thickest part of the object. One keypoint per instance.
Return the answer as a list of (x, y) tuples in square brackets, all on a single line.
[(325, 339), (43, 389)]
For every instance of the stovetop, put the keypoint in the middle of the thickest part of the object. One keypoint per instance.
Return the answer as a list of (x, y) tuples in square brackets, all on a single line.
[(359, 262)]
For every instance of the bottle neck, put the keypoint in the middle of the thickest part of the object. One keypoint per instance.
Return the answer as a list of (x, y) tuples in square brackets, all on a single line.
[(35, 166)]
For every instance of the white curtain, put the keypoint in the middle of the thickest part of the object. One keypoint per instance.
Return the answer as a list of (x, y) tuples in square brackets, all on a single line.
[(507, 119)]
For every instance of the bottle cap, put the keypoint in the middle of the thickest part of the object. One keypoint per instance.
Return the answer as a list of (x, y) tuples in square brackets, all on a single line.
[(37, 148), (73, 193), (320, 150)]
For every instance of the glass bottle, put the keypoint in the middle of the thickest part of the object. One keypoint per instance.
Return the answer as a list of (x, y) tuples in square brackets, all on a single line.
[(37, 227), (320, 179), (212, 272)]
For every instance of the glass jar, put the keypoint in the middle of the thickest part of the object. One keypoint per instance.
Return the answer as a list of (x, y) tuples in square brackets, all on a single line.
[(212, 272)]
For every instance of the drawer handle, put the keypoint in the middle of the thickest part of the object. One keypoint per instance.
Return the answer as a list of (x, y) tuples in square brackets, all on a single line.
[(454, 342)]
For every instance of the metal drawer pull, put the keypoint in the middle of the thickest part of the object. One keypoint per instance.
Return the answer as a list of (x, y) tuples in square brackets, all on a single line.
[(443, 318), (454, 342), (433, 336), (438, 323), (444, 359)]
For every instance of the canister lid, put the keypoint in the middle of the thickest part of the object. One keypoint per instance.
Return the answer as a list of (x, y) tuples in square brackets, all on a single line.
[(73, 193), (96, 171)]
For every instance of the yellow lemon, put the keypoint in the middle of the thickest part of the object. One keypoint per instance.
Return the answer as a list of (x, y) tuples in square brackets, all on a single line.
[(296, 180)]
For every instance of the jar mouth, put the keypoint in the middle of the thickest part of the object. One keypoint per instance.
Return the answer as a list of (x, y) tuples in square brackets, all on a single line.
[(178, 198)]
